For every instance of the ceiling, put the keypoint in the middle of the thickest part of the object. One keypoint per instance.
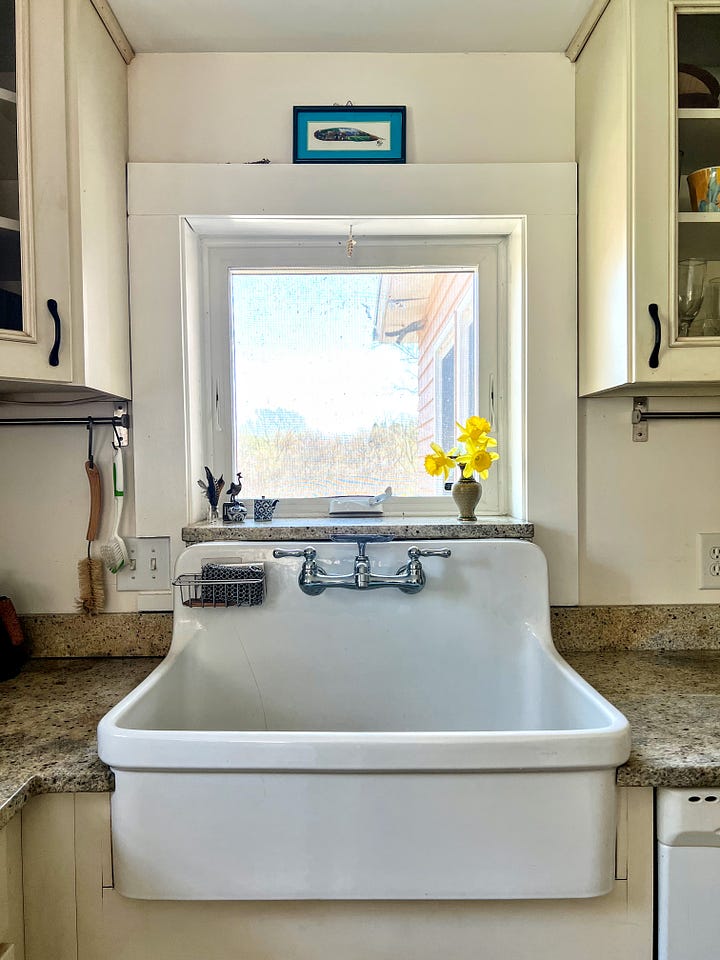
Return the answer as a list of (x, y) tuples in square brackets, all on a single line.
[(371, 26)]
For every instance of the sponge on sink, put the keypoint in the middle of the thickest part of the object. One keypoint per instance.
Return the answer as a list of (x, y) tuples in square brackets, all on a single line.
[(233, 584)]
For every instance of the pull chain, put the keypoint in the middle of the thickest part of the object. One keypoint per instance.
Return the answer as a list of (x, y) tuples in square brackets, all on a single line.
[(350, 245)]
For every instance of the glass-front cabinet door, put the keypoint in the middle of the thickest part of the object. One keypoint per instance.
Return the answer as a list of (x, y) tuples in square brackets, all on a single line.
[(35, 335), (12, 322), (675, 53), (697, 109), (648, 150)]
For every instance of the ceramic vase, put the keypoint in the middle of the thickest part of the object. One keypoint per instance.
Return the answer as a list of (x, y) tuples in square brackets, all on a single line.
[(466, 494)]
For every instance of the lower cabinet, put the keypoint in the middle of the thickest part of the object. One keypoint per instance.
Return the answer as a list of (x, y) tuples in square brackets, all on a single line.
[(72, 911), (11, 895)]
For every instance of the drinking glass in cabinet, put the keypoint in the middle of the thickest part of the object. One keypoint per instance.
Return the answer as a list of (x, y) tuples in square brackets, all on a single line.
[(691, 277), (709, 326)]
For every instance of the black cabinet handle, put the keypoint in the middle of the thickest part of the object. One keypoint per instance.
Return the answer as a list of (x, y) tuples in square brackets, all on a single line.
[(54, 358), (655, 317)]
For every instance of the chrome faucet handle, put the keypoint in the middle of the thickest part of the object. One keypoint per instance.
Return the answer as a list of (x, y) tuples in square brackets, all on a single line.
[(414, 553), (309, 553)]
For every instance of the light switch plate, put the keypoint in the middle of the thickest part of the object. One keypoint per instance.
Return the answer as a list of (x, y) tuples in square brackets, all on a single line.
[(149, 567)]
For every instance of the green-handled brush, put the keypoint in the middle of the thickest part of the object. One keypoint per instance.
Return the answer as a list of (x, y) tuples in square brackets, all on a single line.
[(114, 553)]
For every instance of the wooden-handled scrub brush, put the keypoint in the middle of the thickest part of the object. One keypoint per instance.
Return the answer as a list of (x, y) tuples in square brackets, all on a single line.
[(90, 570)]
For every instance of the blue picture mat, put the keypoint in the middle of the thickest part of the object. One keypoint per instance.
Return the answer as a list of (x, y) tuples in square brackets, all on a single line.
[(353, 118)]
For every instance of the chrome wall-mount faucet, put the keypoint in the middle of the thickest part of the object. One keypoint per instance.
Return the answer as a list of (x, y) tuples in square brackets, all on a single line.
[(314, 579)]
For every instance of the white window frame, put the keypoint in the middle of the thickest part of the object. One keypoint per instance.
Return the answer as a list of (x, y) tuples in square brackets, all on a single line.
[(485, 255), (441, 348), (465, 333)]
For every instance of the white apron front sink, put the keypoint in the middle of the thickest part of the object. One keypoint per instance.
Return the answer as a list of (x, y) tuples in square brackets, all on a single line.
[(367, 744)]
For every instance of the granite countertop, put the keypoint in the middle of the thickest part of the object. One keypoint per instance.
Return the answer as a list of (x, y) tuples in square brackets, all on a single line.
[(48, 720), (49, 715), (672, 701), (324, 528)]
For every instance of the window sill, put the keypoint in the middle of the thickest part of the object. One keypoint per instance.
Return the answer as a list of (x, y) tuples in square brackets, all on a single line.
[(324, 528)]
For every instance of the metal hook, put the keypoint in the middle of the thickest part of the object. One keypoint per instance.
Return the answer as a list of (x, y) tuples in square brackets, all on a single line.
[(90, 425), (116, 446)]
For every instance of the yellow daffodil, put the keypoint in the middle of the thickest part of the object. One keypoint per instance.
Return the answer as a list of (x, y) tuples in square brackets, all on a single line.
[(475, 434), (475, 430), (440, 462), (476, 460)]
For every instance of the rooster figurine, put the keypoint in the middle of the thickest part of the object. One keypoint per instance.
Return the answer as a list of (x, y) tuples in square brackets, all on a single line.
[(234, 512), (235, 488)]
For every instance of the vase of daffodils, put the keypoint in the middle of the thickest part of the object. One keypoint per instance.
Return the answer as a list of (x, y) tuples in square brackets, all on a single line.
[(475, 458)]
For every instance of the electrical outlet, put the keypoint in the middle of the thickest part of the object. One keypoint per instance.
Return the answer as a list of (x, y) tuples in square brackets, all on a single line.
[(149, 567), (708, 553)]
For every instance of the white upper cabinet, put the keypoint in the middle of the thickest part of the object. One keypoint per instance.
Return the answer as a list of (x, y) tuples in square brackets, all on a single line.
[(635, 147), (63, 225)]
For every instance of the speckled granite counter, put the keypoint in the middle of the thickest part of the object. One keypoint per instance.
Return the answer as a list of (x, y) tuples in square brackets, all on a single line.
[(48, 720), (672, 701), (49, 714), (325, 528)]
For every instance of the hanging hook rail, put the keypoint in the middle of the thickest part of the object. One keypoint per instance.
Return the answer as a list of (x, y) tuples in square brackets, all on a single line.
[(641, 415), (120, 422)]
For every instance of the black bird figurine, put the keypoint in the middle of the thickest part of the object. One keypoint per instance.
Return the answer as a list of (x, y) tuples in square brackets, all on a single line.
[(235, 488)]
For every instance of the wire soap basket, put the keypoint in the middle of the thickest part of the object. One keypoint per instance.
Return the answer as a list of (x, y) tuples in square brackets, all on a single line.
[(223, 585)]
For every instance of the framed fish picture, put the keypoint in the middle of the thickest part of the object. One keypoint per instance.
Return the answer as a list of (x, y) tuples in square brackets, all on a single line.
[(348, 134)]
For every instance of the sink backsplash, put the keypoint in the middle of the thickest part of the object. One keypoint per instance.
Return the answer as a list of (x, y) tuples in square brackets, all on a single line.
[(106, 635), (635, 627)]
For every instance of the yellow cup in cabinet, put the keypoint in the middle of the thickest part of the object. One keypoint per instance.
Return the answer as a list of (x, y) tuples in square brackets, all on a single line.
[(704, 188)]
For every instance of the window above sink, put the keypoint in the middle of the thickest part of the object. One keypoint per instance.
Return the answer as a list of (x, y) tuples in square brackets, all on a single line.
[(332, 375), (178, 210)]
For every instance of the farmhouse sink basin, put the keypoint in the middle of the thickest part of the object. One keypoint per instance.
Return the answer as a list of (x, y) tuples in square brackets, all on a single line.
[(366, 745)]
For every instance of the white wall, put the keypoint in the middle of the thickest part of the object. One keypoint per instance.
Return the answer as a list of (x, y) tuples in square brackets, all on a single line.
[(544, 195), (640, 505), (44, 508), (462, 108), (475, 108), (236, 107)]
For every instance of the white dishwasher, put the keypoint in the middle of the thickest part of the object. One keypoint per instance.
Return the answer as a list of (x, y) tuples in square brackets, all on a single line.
[(688, 865)]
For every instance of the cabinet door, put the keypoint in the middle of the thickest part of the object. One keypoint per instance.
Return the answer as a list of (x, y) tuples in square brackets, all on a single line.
[(11, 900), (602, 136), (653, 193), (98, 83), (632, 230), (696, 147), (42, 170), (668, 146)]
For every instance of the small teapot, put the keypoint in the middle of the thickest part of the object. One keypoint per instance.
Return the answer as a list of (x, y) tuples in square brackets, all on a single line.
[(264, 508)]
